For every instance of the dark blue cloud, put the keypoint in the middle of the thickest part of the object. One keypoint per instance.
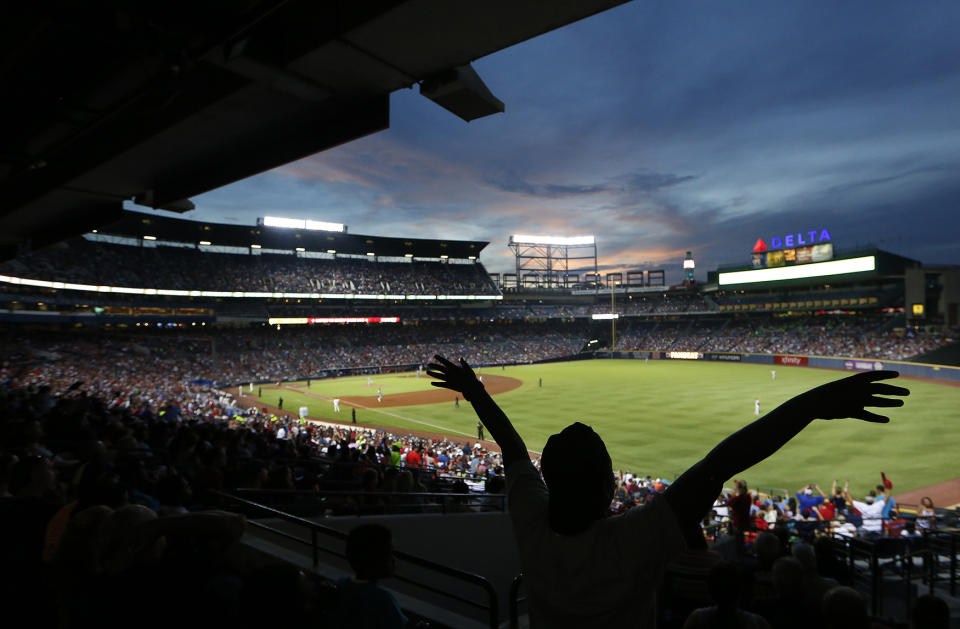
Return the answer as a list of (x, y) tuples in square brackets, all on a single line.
[(666, 127)]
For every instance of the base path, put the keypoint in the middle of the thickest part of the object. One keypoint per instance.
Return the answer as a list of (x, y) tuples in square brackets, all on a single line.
[(945, 494), (493, 384)]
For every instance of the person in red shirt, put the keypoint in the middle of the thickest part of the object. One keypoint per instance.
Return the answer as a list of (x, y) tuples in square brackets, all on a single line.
[(827, 510), (413, 458), (739, 505)]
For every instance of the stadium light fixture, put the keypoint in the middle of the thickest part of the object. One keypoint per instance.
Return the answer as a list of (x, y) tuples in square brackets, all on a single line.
[(408, 255), (254, 246), (299, 223), (527, 239), (205, 243), (324, 226), (370, 253), (462, 92), (800, 271), (444, 257), (471, 257), (331, 250), (301, 249), (605, 316), (149, 237)]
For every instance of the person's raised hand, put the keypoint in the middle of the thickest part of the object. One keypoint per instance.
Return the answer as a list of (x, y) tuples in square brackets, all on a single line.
[(454, 377), (850, 396)]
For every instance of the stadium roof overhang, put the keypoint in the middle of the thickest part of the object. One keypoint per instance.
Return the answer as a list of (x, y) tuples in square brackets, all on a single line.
[(139, 224), (108, 102)]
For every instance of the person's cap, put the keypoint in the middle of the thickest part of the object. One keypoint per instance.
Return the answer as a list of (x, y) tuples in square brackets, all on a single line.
[(868, 500), (808, 492)]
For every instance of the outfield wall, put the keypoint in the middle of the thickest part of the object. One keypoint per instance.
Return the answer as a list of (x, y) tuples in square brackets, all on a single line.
[(916, 370)]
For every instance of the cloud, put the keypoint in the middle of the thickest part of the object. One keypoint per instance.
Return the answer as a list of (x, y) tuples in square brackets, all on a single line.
[(509, 181), (662, 129)]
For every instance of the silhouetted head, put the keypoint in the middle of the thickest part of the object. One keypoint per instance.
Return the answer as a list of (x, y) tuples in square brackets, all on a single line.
[(579, 475), (370, 551), (767, 546), (724, 583), (930, 612), (844, 608), (787, 576), (805, 554)]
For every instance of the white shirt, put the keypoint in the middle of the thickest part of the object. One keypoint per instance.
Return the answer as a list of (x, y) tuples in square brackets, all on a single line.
[(606, 576), (872, 522)]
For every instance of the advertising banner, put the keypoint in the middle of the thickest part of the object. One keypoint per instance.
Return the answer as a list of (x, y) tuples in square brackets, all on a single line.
[(796, 361), (735, 358), (868, 365), (822, 253), (684, 355)]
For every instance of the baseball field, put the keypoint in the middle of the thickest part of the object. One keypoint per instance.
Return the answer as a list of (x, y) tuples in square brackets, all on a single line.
[(658, 418)]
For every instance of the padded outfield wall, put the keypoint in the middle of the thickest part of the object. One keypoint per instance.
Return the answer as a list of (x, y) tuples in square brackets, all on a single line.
[(916, 370)]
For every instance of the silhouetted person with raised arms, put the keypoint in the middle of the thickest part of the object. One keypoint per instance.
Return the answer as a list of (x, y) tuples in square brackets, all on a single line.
[(583, 569)]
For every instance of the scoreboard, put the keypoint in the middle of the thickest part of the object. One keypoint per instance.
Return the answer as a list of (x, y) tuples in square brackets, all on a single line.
[(794, 248)]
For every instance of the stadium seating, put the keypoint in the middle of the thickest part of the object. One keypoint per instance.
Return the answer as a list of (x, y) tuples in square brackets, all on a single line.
[(84, 261)]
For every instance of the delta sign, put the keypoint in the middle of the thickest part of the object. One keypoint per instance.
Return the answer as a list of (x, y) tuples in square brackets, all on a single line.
[(789, 241)]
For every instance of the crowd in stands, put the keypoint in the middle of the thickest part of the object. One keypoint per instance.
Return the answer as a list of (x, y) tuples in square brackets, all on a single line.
[(235, 355), (857, 337), (87, 262), (775, 561), (106, 486), (111, 449), (778, 584)]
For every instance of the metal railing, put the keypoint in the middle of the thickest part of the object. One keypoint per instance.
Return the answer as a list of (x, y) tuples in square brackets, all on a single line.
[(380, 503), (870, 561), (491, 606), (515, 601), (944, 545)]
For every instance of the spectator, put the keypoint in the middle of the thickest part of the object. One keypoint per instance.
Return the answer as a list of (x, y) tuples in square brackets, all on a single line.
[(926, 514), (930, 612), (724, 582), (573, 557), (361, 600)]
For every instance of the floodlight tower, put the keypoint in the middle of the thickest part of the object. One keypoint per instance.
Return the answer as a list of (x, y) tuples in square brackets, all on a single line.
[(688, 267), (547, 258)]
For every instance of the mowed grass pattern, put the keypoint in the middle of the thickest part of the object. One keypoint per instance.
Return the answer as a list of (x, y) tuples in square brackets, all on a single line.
[(659, 418)]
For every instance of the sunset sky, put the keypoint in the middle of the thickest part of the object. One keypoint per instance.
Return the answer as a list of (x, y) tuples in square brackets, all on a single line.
[(663, 127)]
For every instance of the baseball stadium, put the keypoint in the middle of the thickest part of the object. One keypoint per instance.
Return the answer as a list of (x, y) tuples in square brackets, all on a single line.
[(253, 394)]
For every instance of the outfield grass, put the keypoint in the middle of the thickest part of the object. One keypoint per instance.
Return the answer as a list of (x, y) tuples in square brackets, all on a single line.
[(661, 417)]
